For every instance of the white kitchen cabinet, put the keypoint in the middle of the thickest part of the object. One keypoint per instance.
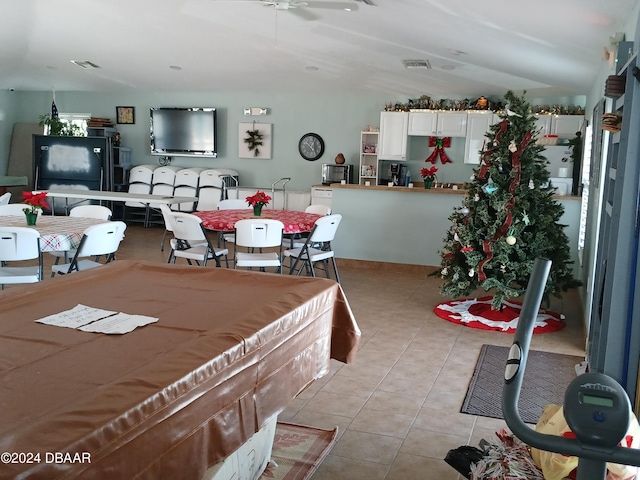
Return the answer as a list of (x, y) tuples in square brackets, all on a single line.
[(392, 139), (566, 126), (368, 157), (478, 124), (440, 124)]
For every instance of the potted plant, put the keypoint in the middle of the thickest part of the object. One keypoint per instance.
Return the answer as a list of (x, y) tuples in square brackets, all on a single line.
[(57, 127), (34, 202), (428, 175), (257, 201)]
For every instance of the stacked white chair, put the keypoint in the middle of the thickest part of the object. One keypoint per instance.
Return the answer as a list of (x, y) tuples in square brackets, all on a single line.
[(140, 180), (210, 190), (18, 244), (162, 183), (186, 185)]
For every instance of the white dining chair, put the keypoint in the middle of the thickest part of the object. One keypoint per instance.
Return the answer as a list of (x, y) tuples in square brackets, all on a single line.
[(191, 242), (231, 204), (98, 212), (301, 237), (97, 240), (18, 244), (15, 209), (317, 248), (5, 198), (257, 234)]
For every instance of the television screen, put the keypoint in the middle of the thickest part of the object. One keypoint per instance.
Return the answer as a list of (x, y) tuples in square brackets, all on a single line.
[(183, 132)]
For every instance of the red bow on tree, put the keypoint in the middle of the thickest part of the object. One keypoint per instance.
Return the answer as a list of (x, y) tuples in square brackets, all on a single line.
[(440, 144)]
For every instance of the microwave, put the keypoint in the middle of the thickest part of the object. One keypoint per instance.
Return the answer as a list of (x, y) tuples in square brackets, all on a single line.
[(333, 173)]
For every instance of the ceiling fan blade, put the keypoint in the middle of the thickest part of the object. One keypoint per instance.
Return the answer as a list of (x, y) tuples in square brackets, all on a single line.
[(334, 5), (303, 13)]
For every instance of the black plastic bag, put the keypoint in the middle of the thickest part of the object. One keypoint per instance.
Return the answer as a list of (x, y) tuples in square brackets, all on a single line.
[(463, 457)]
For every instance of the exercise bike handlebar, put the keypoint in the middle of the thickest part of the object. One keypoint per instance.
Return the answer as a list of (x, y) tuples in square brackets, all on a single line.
[(513, 383)]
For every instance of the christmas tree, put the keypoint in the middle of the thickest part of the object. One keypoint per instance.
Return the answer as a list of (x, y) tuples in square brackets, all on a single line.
[(508, 217)]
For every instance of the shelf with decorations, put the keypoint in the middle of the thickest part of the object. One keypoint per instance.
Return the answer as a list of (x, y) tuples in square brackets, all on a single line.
[(368, 156)]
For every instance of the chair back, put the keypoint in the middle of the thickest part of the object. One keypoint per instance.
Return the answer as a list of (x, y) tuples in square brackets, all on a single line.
[(233, 204), (15, 209), (188, 227), (101, 239), (4, 199), (187, 177), (325, 228), (165, 175), (91, 211), (141, 174), (259, 233), (19, 243), (211, 178), (318, 209), (167, 216)]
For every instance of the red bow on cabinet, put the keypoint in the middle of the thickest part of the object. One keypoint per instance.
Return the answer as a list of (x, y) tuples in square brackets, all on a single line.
[(440, 144)]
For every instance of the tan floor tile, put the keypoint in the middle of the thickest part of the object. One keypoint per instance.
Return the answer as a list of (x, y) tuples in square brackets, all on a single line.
[(427, 443), (336, 404), (340, 468), (416, 467), (371, 421), (406, 403), (418, 382), (368, 446), (444, 421), (354, 386)]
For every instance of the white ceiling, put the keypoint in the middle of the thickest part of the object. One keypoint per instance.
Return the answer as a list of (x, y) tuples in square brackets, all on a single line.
[(547, 47)]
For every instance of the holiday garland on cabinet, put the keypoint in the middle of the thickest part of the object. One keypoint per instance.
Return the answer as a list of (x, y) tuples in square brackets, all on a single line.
[(508, 217)]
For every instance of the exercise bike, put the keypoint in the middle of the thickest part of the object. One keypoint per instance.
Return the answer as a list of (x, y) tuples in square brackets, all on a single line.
[(596, 407)]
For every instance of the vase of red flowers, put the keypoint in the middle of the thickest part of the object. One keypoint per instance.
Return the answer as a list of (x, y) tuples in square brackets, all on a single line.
[(257, 201), (429, 176), (35, 202)]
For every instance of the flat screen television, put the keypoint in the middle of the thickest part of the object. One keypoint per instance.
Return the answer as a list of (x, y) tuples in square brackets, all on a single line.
[(187, 132)]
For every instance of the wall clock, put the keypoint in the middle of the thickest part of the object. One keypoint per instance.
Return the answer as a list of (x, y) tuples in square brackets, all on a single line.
[(311, 146)]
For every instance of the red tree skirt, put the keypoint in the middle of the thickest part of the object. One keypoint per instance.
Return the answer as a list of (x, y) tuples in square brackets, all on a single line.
[(477, 313)]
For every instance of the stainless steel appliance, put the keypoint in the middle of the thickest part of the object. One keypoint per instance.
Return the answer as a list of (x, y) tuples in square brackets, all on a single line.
[(336, 173)]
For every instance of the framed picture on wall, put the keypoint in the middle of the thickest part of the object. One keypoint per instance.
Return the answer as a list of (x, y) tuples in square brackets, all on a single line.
[(125, 115)]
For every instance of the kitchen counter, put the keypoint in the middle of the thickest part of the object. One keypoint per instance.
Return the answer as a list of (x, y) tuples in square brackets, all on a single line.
[(419, 188)]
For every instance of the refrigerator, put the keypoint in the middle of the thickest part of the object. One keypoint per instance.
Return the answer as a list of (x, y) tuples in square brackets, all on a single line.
[(560, 167), (82, 163)]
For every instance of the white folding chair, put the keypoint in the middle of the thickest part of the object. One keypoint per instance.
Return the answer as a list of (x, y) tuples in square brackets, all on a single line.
[(15, 209), (168, 228), (162, 183), (231, 204), (19, 244), (140, 178), (258, 233), (317, 248), (186, 185), (191, 242), (87, 211), (210, 190), (102, 239), (318, 210), (4, 199)]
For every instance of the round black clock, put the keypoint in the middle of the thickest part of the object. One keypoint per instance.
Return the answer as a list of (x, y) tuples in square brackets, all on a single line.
[(311, 146)]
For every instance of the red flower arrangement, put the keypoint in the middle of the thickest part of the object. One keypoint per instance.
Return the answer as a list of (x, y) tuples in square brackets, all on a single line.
[(36, 201), (259, 199), (428, 172)]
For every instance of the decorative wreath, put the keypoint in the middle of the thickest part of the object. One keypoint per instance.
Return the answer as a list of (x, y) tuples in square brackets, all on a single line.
[(254, 141)]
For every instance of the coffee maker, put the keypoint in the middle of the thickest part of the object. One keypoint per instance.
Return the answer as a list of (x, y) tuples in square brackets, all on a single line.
[(398, 174)]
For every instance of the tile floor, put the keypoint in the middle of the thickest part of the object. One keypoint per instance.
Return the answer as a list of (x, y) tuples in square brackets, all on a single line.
[(398, 406)]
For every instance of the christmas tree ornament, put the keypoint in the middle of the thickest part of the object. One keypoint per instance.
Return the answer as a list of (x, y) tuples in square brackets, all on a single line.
[(473, 177), (511, 240), (525, 218), (531, 185), (444, 271), (471, 272), (464, 210), (513, 148), (456, 237), (476, 198), (503, 268), (490, 187), (466, 249)]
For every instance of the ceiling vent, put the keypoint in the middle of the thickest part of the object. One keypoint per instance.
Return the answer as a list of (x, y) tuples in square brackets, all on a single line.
[(417, 64)]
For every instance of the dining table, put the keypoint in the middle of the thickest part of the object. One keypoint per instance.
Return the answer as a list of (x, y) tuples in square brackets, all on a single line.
[(57, 233), (225, 220)]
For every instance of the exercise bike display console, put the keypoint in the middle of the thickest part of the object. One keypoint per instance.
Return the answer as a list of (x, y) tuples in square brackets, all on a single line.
[(597, 410), (596, 407)]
